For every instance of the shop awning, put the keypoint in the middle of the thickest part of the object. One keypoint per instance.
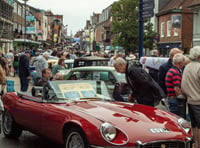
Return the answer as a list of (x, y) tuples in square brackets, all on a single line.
[(27, 41)]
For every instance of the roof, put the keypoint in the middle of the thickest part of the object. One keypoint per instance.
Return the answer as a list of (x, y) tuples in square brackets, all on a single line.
[(194, 4), (177, 5), (92, 68), (92, 58), (173, 4)]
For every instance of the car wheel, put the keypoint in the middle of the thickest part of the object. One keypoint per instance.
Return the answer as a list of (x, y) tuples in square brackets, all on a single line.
[(75, 138), (10, 128)]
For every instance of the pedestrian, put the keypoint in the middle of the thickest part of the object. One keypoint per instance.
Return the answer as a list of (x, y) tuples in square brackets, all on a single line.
[(144, 89), (24, 70), (16, 63), (155, 53), (2, 80), (163, 69), (10, 59), (114, 57), (191, 88), (46, 76), (40, 64), (173, 82), (153, 71), (59, 66)]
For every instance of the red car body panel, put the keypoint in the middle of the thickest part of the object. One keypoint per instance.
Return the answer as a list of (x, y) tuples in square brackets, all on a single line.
[(48, 119)]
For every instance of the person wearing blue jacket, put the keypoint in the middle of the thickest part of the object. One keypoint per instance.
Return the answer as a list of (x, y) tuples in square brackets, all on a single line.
[(24, 70)]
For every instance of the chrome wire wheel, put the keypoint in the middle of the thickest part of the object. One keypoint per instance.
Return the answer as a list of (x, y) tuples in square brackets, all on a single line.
[(75, 140), (7, 122)]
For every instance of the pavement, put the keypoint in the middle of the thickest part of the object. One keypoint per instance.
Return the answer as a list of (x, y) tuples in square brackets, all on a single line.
[(17, 83)]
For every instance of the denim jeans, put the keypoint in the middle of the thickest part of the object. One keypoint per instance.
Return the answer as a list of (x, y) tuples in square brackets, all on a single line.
[(173, 105), (24, 83)]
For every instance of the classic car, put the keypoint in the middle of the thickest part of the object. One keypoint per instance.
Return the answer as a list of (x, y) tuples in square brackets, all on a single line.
[(115, 81), (91, 61), (80, 114)]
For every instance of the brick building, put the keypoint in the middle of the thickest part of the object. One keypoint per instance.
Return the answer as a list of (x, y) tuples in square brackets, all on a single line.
[(6, 25), (175, 26)]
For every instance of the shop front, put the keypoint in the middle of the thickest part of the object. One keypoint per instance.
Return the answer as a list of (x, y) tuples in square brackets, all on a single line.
[(164, 48), (23, 44)]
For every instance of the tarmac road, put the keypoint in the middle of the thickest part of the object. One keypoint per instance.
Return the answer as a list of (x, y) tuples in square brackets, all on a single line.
[(27, 140)]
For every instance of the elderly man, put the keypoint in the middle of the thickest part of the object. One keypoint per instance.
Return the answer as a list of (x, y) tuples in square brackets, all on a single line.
[(173, 82), (191, 88), (163, 69), (144, 89)]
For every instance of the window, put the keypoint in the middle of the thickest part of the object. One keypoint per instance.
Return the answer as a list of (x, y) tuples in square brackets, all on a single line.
[(162, 29), (169, 27), (175, 31)]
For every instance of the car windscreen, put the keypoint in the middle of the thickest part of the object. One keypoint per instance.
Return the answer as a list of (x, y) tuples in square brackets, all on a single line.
[(75, 90)]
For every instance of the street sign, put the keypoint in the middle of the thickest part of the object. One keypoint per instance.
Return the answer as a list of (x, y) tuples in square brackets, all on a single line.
[(148, 1), (147, 8), (147, 14)]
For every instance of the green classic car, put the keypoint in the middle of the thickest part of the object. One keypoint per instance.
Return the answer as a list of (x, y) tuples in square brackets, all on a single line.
[(115, 82)]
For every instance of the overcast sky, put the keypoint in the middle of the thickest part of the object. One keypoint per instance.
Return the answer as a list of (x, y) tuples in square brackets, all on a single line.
[(75, 12)]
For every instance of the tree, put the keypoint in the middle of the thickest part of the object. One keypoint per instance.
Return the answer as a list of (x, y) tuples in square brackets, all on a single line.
[(125, 24), (149, 35)]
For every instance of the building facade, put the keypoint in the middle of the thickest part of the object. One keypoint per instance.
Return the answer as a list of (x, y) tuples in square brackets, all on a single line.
[(195, 7), (175, 26), (6, 25)]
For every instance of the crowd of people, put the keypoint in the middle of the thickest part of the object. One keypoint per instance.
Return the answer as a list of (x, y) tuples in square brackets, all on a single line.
[(178, 77)]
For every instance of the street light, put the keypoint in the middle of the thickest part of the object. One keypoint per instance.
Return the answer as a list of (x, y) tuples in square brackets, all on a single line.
[(25, 1)]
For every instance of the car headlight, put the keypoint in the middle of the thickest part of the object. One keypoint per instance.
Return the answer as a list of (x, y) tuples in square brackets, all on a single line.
[(108, 131), (184, 125)]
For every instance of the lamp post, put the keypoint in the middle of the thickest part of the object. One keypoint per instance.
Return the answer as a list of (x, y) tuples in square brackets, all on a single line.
[(25, 1)]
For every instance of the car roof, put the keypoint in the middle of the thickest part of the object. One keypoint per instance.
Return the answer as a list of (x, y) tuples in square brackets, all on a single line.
[(92, 58), (91, 68)]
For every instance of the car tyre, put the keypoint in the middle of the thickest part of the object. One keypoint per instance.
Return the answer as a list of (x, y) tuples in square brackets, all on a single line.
[(10, 128), (76, 138)]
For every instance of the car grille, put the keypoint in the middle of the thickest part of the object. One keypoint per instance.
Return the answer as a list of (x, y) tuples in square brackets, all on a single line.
[(168, 144)]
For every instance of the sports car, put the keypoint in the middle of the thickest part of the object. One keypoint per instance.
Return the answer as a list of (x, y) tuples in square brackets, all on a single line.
[(80, 114)]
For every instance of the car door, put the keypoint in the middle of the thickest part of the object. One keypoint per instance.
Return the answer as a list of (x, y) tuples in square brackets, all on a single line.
[(53, 117), (52, 121), (29, 112)]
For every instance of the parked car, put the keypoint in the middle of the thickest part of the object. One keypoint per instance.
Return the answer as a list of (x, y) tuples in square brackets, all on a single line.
[(80, 114), (115, 81), (91, 61)]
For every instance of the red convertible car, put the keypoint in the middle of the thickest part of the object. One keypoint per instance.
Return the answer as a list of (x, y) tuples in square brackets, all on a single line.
[(78, 114)]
